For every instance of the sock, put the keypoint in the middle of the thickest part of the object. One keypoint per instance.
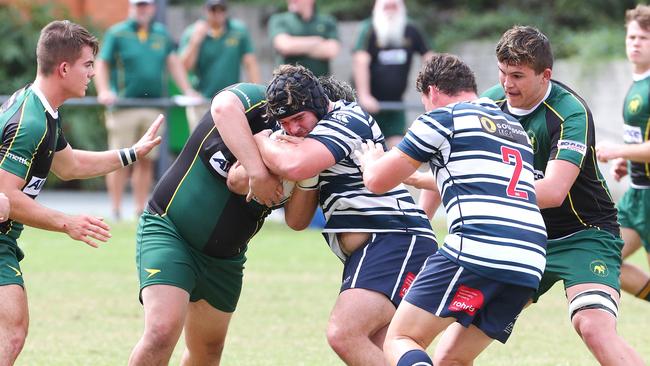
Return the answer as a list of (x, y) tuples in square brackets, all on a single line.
[(415, 357), (645, 292)]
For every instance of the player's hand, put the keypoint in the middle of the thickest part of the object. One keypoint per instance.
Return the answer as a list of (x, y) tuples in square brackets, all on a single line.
[(607, 151), (286, 138), (422, 180), (369, 103), (618, 169), (370, 151), (150, 139), (5, 207), (106, 98), (265, 189), (88, 229)]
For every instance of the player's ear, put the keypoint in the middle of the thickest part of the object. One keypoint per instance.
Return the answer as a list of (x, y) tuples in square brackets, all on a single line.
[(546, 74), (62, 69)]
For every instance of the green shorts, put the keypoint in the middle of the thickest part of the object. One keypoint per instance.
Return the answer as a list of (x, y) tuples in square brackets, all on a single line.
[(588, 256), (634, 213), (10, 255), (164, 257), (392, 123)]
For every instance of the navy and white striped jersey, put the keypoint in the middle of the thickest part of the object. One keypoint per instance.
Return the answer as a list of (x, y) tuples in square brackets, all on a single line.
[(347, 204), (483, 162)]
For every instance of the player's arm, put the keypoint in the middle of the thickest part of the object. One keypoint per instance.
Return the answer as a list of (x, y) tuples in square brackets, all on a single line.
[(5, 207), (229, 117), (88, 229), (361, 72), (635, 152), (294, 161), (70, 163), (179, 74), (237, 181), (191, 44), (558, 179), (299, 210), (430, 201), (385, 171)]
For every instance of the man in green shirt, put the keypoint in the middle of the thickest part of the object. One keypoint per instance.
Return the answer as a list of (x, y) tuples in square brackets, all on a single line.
[(213, 50), (304, 36), (31, 144), (584, 244), (634, 156), (131, 64)]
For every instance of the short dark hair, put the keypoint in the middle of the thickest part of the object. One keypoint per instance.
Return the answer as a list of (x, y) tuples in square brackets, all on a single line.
[(447, 73), (525, 45), (295, 89), (640, 14), (62, 41)]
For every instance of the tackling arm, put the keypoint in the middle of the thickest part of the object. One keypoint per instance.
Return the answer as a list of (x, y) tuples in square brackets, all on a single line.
[(384, 171), (559, 177)]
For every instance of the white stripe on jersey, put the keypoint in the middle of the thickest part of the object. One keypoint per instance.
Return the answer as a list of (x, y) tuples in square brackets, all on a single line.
[(495, 252), (478, 154), (496, 221), (468, 211), (494, 265), (495, 138)]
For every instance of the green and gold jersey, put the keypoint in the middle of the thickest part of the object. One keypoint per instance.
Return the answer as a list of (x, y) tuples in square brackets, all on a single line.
[(562, 127), (636, 130), (30, 135), (193, 193)]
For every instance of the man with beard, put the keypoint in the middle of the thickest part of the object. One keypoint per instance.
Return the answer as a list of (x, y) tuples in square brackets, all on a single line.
[(382, 61), (304, 36), (131, 64)]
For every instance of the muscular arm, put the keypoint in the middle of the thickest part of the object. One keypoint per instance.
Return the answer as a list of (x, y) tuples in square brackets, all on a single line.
[(229, 117), (634, 152), (430, 201), (299, 210), (384, 171), (558, 179), (70, 163), (295, 161), (29, 212)]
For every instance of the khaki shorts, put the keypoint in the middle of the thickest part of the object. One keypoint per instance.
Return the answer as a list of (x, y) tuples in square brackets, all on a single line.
[(195, 113), (126, 126)]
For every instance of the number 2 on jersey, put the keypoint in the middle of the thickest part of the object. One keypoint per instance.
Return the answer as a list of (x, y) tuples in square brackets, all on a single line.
[(510, 155)]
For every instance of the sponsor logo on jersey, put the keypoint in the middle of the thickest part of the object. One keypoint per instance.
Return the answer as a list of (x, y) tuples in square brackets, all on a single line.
[(33, 188), (488, 125), (578, 147), (467, 300), (220, 164), (634, 106), (342, 118), (17, 158), (532, 138), (392, 57), (18, 274), (599, 268), (406, 285), (232, 42), (152, 272), (632, 134)]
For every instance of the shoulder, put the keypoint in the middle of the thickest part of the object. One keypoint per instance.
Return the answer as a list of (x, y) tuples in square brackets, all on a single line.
[(496, 93), (565, 102), (237, 25), (325, 19), (33, 120), (120, 27), (248, 93)]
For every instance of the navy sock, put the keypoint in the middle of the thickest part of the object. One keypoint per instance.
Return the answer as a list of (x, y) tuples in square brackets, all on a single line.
[(415, 357)]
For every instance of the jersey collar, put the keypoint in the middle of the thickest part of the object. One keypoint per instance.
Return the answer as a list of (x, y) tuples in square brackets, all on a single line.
[(524, 112), (54, 113), (638, 77)]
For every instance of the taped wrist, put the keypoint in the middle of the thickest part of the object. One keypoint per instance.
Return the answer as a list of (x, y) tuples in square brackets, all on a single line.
[(309, 184), (127, 156)]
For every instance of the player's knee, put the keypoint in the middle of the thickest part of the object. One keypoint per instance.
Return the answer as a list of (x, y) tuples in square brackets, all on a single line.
[(15, 340), (339, 338), (162, 334), (590, 324)]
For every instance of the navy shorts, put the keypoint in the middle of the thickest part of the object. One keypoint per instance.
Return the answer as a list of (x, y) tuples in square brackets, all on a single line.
[(387, 263), (446, 289)]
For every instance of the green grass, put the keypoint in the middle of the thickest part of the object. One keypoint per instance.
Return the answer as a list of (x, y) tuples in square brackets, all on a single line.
[(84, 307)]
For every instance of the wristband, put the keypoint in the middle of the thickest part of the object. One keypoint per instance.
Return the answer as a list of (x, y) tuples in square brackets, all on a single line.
[(127, 156), (309, 184)]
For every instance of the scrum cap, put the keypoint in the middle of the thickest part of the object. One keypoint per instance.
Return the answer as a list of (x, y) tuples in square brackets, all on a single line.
[(295, 89)]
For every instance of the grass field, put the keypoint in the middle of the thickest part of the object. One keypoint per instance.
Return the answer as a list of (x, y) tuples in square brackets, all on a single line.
[(84, 308)]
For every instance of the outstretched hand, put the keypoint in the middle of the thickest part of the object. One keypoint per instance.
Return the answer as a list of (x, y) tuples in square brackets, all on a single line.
[(618, 169), (370, 151), (150, 139), (88, 229)]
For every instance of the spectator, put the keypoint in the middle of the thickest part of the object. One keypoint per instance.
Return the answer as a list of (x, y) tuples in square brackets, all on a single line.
[(382, 61), (134, 53), (304, 36), (213, 49)]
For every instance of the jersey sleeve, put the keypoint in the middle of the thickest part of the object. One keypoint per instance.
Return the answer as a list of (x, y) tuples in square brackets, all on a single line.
[(331, 29), (247, 45), (428, 138), (569, 140), (61, 142), (341, 133), (249, 94), (495, 93), (363, 38), (20, 142), (108, 48), (277, 25)]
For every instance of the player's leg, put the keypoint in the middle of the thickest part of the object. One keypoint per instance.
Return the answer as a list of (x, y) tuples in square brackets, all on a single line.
[(165, 307), (410, 333), (633, 279), (357, 316), (593, 309), (460, 346), (205, 334), (14, 320)]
